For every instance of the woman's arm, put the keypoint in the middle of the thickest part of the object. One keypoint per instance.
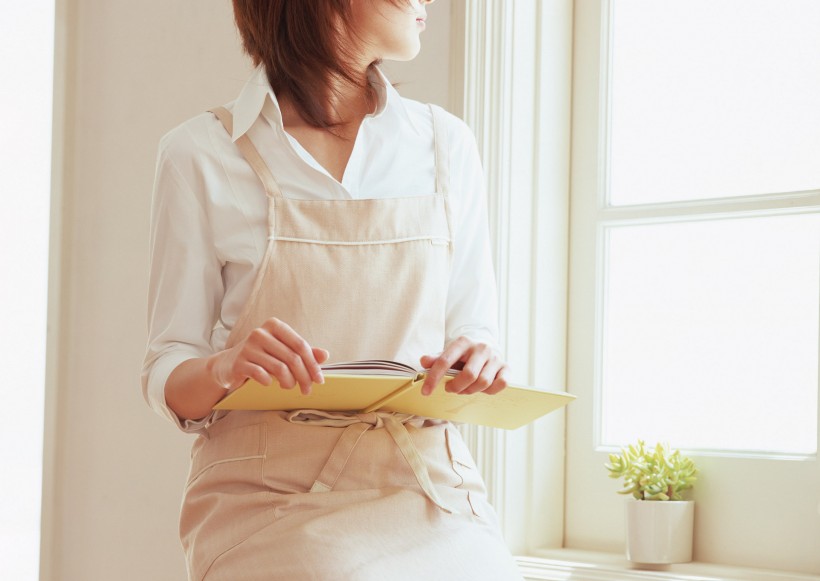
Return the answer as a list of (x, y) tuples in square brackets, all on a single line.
[(273, 350), (182, 375), (471, 312), (185, 285)]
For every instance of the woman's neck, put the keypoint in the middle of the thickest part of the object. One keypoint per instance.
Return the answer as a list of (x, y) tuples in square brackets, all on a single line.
[(348, 102)]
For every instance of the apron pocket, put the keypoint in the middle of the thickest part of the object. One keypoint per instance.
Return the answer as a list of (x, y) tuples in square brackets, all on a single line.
[(225, 501), (464, 467), (242, 444)]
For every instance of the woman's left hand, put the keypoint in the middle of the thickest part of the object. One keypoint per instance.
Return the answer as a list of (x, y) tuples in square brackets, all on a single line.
[(483, 368)]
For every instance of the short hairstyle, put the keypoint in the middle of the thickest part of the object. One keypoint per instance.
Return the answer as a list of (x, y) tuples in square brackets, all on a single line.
[(302, 49)]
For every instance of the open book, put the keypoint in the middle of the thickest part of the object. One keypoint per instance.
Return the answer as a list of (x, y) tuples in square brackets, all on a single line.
[(366, 386)]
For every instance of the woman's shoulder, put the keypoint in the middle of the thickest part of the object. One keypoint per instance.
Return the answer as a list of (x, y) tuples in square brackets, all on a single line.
[(421, 110), (454, 127), (197, 138)]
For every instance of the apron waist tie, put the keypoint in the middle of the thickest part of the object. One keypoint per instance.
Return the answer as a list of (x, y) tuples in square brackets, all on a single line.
[(355, 425)]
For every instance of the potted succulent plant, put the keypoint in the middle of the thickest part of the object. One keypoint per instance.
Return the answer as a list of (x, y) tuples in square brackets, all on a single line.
[(659, 522)]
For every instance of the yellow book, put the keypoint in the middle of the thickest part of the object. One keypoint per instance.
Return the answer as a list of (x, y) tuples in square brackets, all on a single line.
[(366, 386)]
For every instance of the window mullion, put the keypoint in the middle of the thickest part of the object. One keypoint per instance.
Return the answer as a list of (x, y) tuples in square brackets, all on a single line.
[(517, 73)]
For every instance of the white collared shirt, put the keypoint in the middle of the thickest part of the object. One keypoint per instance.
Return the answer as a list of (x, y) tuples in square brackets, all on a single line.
[(208, 218)]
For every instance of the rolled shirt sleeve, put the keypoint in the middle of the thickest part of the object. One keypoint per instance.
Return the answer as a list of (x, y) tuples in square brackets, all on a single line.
[(472, 309), (185, 281)]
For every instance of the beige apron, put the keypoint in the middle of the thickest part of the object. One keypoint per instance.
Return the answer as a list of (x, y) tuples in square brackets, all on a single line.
[(344, 496)]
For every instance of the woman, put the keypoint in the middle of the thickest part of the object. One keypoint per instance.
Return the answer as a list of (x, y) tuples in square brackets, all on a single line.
[(321, 217)]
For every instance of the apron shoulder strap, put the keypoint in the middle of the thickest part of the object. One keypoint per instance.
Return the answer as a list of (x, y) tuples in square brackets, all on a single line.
[(250, 153), (442, 147)]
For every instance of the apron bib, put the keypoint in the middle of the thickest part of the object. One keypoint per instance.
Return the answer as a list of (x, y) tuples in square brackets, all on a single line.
[(344, 496)]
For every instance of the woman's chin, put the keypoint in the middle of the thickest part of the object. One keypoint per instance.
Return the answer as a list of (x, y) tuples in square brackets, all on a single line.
[(405, 53)]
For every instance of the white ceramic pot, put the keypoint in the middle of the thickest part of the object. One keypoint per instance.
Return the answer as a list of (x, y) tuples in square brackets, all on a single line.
[(659, 531)]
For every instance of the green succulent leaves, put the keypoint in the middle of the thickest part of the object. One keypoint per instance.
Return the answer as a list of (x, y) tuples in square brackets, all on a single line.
[(648, 474)]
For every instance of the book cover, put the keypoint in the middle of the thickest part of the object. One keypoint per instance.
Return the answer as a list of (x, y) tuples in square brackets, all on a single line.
[(366, 386)]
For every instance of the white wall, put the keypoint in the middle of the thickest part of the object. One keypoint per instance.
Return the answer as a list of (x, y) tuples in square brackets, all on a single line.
[(126, 73)]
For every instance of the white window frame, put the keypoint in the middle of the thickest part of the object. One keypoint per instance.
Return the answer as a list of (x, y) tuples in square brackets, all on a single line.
[(785, 525), (519, 109)]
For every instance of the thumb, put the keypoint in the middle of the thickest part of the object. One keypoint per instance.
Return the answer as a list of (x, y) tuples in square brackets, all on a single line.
[(427, 361), (320, 354)]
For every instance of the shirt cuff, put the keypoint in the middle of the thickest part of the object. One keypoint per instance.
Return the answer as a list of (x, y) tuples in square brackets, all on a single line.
[(153, 390)]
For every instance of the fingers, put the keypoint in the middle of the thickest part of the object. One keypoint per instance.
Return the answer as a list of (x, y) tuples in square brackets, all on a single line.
[(473, 382), (474, 377), (320, 354), (490, 380), (427, 361), (500, 381), (438, 366), (483, 369), (276, 349), (268, 355), (302, 356)]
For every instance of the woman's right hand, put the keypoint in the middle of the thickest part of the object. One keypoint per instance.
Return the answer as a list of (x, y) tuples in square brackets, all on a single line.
[(273, 350)]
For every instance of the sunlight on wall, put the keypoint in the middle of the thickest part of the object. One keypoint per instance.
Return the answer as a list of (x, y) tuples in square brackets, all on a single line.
[(26, 70)]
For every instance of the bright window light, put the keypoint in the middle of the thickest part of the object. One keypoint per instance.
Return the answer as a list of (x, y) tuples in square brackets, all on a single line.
[(26, 70), (710, 334), (714, 99)]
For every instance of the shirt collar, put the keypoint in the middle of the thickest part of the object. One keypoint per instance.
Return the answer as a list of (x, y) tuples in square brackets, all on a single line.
[(257, 98)]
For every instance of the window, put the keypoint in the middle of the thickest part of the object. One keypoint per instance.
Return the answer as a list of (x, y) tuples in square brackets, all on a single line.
[(26, 43), (695, 266), (719, 317)]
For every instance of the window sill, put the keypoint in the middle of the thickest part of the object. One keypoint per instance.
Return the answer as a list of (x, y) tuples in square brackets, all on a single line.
[(575, 565)]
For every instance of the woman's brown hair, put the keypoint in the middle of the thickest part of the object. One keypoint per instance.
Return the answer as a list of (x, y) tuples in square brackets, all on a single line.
[(302, 49)]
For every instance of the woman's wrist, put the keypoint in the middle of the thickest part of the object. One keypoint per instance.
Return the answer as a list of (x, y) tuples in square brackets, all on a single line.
[(215, 366), (191, 390)]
